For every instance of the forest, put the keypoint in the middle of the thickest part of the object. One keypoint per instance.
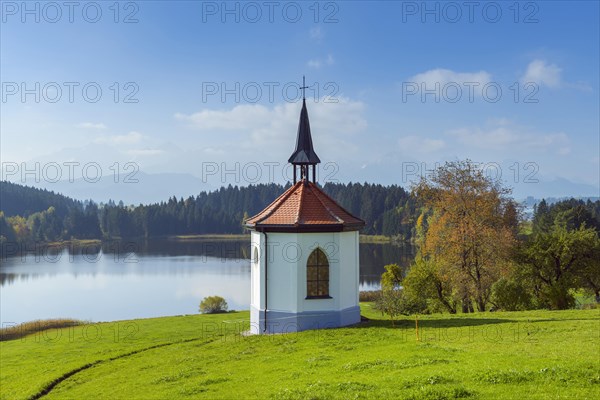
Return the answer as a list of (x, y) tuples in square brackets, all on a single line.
[(34, 215)]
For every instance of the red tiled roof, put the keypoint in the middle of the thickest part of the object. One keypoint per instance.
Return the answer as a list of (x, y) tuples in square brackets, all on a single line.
[(304, 208)]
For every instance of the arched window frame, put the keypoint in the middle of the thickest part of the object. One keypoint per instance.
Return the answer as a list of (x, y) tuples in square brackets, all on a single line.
[(317, 275)]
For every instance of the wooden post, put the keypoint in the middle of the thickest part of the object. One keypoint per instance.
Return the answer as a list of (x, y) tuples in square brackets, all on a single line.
[(417, 326)]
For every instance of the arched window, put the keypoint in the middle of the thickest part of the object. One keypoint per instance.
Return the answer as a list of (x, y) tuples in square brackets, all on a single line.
[(317, 275)]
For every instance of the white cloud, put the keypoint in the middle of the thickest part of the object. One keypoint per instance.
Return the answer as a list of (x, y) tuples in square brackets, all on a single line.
[(91, 125), (499, 136), (252, 117), (542, 73), (314, 64), (130, 138), (444, 76), (235, 119), (213, 151), (251, 128), (416, 144), (318, 63), (144, 152), (316, 33)]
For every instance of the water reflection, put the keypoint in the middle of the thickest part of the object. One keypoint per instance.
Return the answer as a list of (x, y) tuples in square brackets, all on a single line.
[(373, 258), (127, 250), (122, 280)]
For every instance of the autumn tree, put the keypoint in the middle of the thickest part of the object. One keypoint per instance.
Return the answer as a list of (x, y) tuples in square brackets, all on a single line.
[(470, 230), (424, 282)]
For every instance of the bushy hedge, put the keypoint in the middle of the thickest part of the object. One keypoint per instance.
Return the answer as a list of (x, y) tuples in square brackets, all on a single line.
[(213, 305)]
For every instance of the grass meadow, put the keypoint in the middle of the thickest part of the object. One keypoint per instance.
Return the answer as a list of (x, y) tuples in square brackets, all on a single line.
[(504, 355)]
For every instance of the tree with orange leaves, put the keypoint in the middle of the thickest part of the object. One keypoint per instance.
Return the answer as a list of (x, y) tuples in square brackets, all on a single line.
[(470, 229)]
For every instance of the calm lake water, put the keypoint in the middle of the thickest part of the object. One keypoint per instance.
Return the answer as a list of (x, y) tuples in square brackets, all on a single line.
[(125, 280)]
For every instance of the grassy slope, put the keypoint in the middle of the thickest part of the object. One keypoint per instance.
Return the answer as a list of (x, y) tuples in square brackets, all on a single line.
[(536, 354)]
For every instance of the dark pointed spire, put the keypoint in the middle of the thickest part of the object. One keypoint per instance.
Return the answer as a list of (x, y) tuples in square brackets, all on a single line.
[(304, 153)]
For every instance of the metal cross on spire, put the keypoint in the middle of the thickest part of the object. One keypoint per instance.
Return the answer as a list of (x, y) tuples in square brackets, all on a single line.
[(303, 87), (304, 155)]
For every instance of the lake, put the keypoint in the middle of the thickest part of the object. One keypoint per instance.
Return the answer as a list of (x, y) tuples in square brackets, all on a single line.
[(126, 280)]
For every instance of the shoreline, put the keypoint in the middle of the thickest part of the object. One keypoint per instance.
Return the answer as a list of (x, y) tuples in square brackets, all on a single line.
[(362, 238), (374, 239)]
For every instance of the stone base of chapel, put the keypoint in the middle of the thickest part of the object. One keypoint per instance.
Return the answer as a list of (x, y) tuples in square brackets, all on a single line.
[(287, 322)]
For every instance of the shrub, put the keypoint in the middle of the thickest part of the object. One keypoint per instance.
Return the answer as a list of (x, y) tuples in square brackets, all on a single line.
[(27, 328), (390, 302), (510, 295), (370, 295), (590, 306), (396, 302), (213, 305), (426, 286), (392, 298)]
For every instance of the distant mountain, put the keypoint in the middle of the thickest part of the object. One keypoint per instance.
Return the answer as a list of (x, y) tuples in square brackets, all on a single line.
[(147, 188), (558, 188), (138, 188)]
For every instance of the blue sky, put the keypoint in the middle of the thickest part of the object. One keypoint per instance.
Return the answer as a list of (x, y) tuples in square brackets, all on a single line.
[(370, 61)]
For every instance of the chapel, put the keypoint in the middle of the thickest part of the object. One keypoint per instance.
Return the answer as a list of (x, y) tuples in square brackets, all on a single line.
[(305, 253)]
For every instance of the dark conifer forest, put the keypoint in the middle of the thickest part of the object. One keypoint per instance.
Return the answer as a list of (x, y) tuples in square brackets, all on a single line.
[(30, 214)]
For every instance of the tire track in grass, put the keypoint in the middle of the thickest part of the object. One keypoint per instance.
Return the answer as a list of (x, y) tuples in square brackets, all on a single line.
[(52, 384)]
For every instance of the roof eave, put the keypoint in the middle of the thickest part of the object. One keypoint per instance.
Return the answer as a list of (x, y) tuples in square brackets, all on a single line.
[(307, 228)]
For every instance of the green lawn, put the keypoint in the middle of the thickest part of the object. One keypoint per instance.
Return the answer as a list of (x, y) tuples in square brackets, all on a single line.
[(520, 355)]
